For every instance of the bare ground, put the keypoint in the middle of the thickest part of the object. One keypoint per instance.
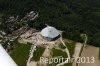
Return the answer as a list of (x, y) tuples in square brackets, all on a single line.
[(91, 51)]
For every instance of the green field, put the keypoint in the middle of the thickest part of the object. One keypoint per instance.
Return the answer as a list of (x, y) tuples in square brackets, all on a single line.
[(38, 53), (57, 52), (71, 47), (20, 53)]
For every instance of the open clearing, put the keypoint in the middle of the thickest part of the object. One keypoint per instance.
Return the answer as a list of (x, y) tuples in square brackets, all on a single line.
[(91, 51)]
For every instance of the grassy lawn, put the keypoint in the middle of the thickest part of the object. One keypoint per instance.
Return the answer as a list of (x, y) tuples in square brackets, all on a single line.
[(62, 46), (57, 52), (71, 47), (20, 53), (38, 53)]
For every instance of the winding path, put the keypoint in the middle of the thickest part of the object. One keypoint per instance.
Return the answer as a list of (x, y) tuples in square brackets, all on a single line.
[(31, 54), (67, 51)]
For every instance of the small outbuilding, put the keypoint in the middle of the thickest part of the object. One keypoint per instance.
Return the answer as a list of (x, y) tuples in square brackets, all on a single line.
[(50, 33)]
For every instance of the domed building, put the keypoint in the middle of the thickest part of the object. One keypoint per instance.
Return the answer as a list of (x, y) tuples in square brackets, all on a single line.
[(50, 33)]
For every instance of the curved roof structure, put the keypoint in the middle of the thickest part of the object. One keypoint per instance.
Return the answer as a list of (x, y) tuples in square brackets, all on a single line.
[(50, 32)]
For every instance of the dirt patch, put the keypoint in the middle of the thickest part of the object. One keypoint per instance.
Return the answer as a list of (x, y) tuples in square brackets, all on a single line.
[(91, 51)]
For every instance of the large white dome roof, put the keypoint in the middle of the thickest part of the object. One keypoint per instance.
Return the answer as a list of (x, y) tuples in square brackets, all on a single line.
[(50, 32)]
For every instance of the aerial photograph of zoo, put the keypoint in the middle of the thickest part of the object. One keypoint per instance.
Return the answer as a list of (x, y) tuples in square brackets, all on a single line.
[(49, 32)]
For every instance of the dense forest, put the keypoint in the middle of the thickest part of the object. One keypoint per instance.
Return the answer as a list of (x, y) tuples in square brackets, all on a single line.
[(74, 17)]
